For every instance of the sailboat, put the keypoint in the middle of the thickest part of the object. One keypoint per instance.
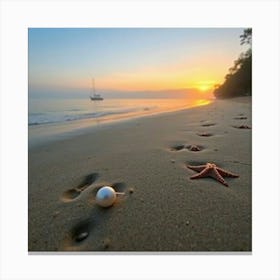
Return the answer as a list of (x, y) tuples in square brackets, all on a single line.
[(95, 96)]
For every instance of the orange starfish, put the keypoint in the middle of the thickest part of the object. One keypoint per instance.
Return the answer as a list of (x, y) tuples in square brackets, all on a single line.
[(211, 170)]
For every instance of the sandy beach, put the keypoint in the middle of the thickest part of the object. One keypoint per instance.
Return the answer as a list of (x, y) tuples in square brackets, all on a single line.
[(146, 158)]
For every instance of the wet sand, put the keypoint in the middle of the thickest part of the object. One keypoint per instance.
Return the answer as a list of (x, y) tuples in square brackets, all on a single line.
[(162, 209)]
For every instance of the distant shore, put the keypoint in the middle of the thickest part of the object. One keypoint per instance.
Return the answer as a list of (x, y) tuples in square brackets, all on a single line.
[(162, 209)]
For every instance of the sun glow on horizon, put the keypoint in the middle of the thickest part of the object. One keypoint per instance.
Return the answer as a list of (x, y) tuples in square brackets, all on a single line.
[(162, 60), (205, 85)]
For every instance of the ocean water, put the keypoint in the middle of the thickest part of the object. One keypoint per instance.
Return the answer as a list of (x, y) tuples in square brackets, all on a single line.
[(60, 111), (56, 119)]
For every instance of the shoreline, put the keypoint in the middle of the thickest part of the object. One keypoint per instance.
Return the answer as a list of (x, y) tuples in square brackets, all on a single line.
[(163, 210), (41, 134)]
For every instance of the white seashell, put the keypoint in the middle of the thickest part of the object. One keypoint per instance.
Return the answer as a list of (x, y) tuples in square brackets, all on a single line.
[(105, 196)]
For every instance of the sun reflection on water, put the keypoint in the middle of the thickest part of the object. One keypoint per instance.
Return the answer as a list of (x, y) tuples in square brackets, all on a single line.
[(201, 102)]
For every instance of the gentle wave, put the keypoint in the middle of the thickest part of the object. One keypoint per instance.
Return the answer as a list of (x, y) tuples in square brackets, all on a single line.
[(45, 118)]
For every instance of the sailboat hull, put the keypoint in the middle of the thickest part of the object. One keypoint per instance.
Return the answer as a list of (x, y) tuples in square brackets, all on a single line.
[(96, 98)]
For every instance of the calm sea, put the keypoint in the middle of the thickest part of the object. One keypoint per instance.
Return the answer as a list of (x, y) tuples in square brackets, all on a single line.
[(55, 111), (54, 119)]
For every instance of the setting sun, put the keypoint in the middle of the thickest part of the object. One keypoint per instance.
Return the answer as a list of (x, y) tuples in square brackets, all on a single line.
[(205, 85)]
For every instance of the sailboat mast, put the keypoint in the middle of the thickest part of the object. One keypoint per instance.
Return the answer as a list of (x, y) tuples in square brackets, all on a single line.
[(94, 96), (93, 86)]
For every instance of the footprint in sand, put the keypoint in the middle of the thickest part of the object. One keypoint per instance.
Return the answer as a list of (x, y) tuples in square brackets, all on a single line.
[(208, 124), (177, 148), (79, 233), (242, 126), (240, 118), (204, 134), (192, 148), (76, 238), (73, 193)]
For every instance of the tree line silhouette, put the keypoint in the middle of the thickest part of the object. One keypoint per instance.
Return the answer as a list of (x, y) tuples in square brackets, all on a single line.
[(238, 82)]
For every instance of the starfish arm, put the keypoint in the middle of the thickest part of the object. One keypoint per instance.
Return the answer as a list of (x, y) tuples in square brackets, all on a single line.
[(203, 173), (225, 173), (198, 168), (219, 177)]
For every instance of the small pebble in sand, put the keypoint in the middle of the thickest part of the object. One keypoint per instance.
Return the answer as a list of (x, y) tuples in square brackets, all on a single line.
[(106, 243), (187, 223), (173, 160), (81, 236), (131, 190)]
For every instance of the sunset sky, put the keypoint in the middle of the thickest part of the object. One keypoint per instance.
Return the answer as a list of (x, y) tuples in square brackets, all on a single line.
[(129, 59)]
